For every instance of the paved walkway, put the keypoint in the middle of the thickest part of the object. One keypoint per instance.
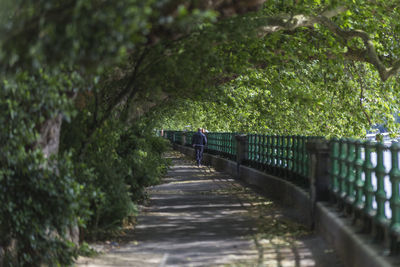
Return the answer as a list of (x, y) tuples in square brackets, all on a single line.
[(200, 217)]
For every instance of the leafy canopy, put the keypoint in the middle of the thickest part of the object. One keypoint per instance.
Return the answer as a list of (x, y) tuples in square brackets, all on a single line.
[(112, 70)]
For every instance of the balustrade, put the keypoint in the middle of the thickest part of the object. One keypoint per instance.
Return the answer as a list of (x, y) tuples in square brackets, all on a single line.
[(358, 180)]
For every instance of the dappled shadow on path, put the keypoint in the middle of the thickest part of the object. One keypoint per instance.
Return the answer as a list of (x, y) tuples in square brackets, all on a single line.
[(199, 217), (191, 221)]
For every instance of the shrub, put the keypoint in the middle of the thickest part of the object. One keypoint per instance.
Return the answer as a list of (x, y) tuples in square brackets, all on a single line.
[(40, 198), (40, 201), (114, 169)]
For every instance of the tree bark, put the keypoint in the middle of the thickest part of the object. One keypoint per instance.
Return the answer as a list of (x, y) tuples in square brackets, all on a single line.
[(49, 142)]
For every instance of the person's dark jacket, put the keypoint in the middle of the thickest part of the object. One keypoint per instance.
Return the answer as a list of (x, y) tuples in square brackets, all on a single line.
[(199, 139)]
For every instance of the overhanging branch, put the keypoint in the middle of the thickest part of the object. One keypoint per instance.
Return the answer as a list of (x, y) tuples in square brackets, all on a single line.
[(290, 23), (369, 54)]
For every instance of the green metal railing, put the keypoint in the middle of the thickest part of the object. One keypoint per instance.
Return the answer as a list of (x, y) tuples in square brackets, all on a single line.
[(365, 182), (223, 144), (283, 156), (188, 139), (364, 176)]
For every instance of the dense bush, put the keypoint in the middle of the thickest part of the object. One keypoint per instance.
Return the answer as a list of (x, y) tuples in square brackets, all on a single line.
[(114, 168), (43, 197), (142, 154), (40, 197), (39, 203)]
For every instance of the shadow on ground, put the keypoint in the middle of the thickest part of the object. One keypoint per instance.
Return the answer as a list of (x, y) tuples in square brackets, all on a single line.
[(199, 217)]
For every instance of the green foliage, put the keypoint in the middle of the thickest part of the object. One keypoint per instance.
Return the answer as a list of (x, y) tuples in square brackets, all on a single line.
[(142, 154), (50, 52), (40, 197), (42, 33), (291, 100), (27, 100), (294, 82), (39, 204), (114, 169), (133, 65)]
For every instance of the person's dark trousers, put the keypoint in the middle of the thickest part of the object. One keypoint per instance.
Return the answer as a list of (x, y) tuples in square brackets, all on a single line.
[(199, 154)]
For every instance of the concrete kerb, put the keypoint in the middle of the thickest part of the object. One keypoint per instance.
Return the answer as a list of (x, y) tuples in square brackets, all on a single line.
[(354, 249)]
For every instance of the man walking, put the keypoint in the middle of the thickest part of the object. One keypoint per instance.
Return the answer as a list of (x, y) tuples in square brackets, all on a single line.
[(199, 140)]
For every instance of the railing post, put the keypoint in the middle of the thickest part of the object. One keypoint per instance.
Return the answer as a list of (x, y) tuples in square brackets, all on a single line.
[(319, 166), (395, 199), (380, 194), (359, 182), (343, 169), (368, 187), (335, 167), (242, 144), (350, 176), (183, 141)]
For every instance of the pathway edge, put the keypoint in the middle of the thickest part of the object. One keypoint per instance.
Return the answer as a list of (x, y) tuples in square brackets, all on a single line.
[(354, 249)]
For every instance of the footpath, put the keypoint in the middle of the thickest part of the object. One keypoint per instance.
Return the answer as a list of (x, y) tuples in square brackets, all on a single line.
[(201, 217)]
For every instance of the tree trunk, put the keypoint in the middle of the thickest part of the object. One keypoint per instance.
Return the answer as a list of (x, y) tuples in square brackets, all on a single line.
[(49, 143)]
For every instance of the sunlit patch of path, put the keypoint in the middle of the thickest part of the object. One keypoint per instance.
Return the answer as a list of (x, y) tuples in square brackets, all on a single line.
[(200, 217)]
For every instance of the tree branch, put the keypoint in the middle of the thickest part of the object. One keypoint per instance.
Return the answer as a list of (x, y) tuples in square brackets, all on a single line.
[(291, 22), (129, 87), (369, 54), (96, 106), (362, 105)]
